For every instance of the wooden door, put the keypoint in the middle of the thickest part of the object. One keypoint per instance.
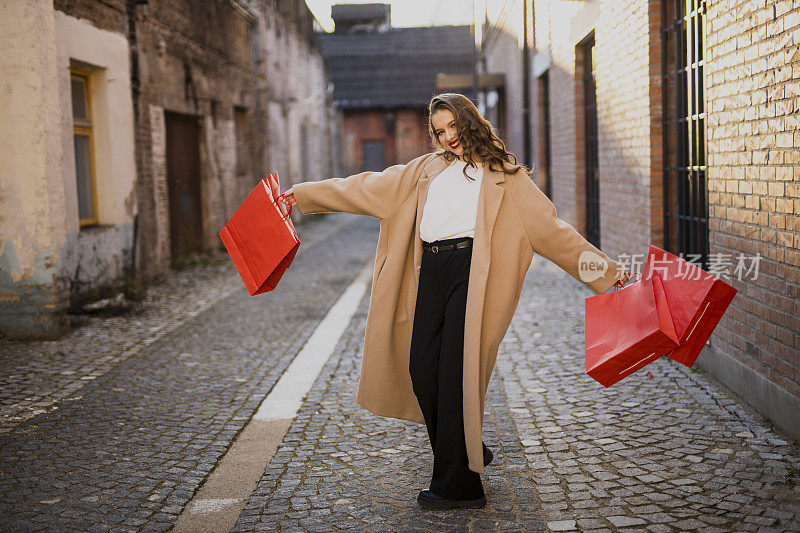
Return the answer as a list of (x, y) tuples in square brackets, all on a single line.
[(183, 179)]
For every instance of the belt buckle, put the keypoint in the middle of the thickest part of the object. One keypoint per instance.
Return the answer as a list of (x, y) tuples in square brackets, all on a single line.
[(435, 249)]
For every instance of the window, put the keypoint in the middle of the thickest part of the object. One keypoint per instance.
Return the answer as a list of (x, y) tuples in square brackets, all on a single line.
[(240, 131), (84, 148), (684, 117)]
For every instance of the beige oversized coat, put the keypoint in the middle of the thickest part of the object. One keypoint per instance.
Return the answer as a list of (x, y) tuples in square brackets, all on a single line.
[(515, 219)]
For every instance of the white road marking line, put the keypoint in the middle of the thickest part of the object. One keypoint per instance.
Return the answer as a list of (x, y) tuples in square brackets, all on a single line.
[(211, 505), (219, 501), (286, 397)]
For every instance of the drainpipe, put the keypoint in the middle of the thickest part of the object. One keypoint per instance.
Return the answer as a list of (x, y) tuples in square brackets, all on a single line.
[(130, 10), (526, 86), (474, 51)]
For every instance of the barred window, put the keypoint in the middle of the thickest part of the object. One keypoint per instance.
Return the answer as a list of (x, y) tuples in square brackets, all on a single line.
[(683, 25)]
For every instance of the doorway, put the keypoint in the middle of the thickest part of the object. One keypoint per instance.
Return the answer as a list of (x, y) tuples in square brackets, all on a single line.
[(183, 185), (592, 191), (374, 155), (543, 135)]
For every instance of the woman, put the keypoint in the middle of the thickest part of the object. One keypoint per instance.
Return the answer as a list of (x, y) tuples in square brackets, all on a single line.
[(459, 227)]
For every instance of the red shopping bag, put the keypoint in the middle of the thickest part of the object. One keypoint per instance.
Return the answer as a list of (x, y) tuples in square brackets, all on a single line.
[(697, 300), (260, 239), (626, 330)]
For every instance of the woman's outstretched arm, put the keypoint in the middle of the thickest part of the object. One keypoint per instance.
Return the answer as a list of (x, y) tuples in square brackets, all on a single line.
[(557, 240), (376, 194)]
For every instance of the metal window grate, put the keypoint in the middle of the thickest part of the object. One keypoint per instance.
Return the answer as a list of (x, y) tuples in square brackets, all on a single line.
[(684, 120)]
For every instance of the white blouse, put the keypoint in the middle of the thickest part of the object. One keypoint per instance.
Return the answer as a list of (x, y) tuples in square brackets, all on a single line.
[(451, 207)]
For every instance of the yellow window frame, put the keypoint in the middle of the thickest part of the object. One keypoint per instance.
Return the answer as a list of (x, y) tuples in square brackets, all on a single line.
[(85, 129)]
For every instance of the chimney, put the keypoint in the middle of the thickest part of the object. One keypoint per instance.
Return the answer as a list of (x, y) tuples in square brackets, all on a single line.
[(361, 18)]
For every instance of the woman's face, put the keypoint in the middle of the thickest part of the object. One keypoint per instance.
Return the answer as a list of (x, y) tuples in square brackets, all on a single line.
[(444, 127)]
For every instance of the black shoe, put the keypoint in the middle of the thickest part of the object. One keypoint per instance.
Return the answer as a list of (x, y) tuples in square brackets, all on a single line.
[(429, 500), (487, 455)]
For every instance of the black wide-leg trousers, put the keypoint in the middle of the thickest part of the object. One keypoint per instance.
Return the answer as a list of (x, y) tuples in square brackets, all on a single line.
[(436, 364)]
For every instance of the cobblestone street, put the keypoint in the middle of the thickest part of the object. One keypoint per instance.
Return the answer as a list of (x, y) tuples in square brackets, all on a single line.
[(117, 426), (665, 449)]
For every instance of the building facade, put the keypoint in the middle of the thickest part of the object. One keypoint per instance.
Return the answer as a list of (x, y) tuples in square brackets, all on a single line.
[(383, 79), (673, 123), (142, 126), (505, 95)]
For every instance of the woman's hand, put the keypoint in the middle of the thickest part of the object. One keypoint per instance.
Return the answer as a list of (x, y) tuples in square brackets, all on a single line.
[(625, 278), (285, 200), (288, 197)]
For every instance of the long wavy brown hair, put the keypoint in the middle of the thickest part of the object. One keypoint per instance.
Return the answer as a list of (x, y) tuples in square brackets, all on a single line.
[(476, 134)]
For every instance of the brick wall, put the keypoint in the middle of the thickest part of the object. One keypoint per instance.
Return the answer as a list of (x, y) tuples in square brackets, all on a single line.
[(628, 218), (205, 59), (562, 115), (404, 132), (109, 14), (411, 134), (503, 50), (753, 85), (752, 66), (194, 59), (299, 121), (360, 126)]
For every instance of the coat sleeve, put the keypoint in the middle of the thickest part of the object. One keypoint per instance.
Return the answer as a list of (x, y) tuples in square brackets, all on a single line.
[(376, 194), (555, 239)]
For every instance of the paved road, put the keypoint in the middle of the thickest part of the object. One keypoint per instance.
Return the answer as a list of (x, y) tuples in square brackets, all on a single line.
[(130, 448), (127, 449), (671, 452)]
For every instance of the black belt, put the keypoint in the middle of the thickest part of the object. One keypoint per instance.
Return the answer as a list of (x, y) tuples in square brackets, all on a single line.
[(440, 248)]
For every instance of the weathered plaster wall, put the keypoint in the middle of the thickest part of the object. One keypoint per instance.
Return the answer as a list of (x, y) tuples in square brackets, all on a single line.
[(293, 87), (98, 257), (32, 207)]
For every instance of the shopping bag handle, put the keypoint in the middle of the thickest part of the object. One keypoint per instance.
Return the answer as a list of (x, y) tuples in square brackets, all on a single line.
[(633, 279), (286, 202)]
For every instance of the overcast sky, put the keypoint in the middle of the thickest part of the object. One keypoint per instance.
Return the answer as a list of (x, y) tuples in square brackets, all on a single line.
[(405, 12)]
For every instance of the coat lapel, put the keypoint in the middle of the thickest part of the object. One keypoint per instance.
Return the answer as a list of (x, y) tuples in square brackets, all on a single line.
[(431, 170), (489, 198)]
